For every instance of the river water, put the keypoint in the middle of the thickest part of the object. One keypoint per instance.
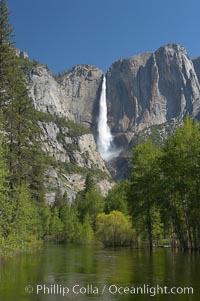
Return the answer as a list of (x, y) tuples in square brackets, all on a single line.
[(60, 272)]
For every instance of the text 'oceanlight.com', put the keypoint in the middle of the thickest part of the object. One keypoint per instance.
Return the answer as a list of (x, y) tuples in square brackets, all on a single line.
[(112, 289)]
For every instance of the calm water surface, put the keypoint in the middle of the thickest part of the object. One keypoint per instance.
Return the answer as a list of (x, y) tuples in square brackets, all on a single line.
[(93, 268)]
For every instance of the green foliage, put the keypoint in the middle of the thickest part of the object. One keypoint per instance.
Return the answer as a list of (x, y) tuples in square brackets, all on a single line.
[(17, 113), (44, 117), (62, 224), (86, 232), (164, 192), (56, 225), (75, 129), (117, 198), (69, 147), (114, 229), (180, 184), (162, 195), (71, 225), (7, 208), (46, 221), (89, 202), (143, 189), (89, 183), (26, 65), (26, 216), (75, 223), (21, 158)]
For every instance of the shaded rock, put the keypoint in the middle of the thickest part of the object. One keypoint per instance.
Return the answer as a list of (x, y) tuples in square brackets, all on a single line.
[(73, 95), (70, 184), (21, 54), (88, 151), (196, 63), (72, 157), (151, 89), (105, 186)]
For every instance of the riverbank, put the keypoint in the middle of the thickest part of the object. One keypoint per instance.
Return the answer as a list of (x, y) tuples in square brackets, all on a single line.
[(13, 246)]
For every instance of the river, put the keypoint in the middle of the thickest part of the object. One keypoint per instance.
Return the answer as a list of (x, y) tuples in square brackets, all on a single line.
[(60, 272)]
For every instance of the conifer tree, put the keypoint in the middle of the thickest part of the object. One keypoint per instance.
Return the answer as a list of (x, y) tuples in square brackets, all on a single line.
[(6, 50), (21, 196), (89, 202), (26, 216), (56, 226), (7, 208), (18, 116)]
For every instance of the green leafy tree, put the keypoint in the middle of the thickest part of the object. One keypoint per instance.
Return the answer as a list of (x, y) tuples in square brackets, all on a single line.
[(164, 192), (181, 181), (114, 229), (117, 198), (143, 189)]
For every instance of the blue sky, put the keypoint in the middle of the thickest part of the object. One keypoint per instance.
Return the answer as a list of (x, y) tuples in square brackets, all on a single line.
[(64, 33)]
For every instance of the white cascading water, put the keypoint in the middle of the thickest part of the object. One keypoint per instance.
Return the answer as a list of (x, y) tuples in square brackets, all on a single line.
[(104, 135)]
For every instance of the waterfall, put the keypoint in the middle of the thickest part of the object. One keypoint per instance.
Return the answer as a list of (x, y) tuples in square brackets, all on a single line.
[(105, 138)]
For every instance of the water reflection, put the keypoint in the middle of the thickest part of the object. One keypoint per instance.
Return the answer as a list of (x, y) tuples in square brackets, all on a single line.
[(92, 268)]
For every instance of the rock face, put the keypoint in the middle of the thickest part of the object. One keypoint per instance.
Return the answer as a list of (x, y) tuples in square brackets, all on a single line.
[(21, 54), (152, 89), (72, 155), (196, 63), (148, 94), (73, 95)]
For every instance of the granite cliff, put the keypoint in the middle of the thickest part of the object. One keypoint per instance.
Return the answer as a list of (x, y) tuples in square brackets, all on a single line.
[(152, 89), (147, 95), (68, 106), (150, 95), (73, 95)]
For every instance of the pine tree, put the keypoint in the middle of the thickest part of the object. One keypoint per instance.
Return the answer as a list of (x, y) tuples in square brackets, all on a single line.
[(56, 226), (46, 220), (26, 215), (117, 198), (6, 50), (7, 208), (71, 224), (89, 203), (89, 183), (23, 199), (24, 157)]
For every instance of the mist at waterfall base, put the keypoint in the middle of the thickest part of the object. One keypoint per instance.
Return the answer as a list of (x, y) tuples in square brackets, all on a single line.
[(105, 139)]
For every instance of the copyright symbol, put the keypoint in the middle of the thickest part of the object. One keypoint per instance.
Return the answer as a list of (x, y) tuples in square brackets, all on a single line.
[(29, 289)]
